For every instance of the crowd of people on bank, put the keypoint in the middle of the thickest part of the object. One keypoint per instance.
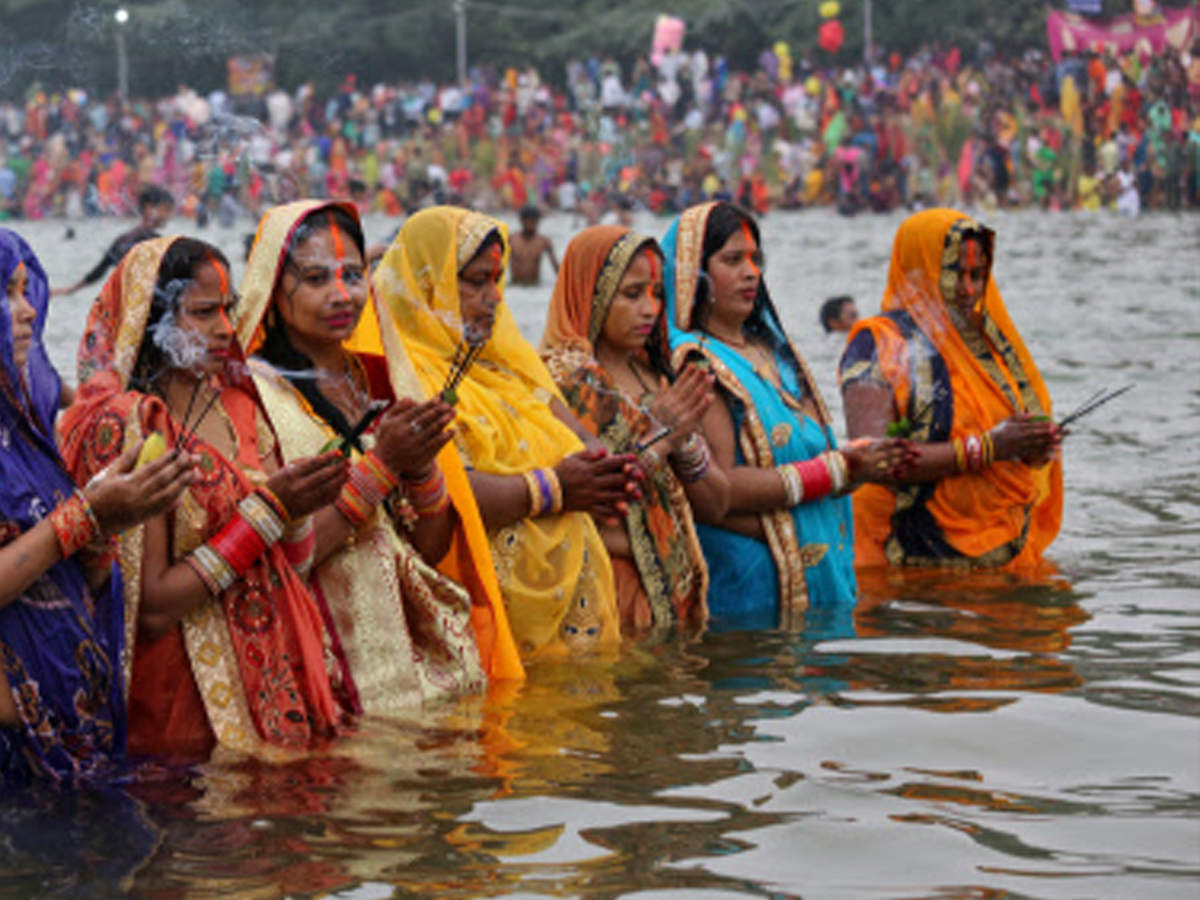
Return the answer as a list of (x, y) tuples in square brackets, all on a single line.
[(937, 128), (341, 490)]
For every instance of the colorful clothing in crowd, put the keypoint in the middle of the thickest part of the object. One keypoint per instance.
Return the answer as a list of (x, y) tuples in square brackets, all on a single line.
[(554, 571), (403, 629), (666, 580), (950, 379), (245, 670), (807, 557), (60, 641)]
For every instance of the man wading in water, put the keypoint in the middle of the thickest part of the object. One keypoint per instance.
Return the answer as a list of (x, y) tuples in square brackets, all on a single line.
[(155, 205), (526, 248)]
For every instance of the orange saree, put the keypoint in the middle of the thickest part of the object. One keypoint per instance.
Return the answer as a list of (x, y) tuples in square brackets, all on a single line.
[(951, 378), (245, 670)]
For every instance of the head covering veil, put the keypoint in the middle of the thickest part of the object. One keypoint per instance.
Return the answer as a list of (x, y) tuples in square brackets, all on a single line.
[(554, 570), (262, 680), (60, 642), (770, 429), (469, 561), (953, 378)]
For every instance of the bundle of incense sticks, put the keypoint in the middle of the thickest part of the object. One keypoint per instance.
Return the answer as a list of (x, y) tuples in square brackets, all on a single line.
[(465, 355), (1093, 403)]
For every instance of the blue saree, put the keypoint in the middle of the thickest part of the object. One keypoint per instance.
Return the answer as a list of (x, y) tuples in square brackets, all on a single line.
[(60, 642), (807, 559)]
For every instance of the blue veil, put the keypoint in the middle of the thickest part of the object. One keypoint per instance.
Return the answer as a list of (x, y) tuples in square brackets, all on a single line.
[(807, 559), (60, 643)]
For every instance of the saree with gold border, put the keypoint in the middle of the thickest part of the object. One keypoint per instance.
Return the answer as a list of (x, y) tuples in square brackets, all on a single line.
[(404, 629), (666, 580), (554, 571), (245, 670), (950, 378), (60, 640), (806, 558)]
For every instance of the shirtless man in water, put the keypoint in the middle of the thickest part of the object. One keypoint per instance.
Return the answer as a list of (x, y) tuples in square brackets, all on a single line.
[(527, 247)]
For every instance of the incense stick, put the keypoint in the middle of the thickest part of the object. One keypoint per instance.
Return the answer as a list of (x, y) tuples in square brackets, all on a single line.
[(1093, 404), (1091, 398), (465, 355), (652, 439)]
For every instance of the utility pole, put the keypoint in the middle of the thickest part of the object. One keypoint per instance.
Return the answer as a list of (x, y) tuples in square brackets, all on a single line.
[(122, 16), (460, 21), (867, 32)]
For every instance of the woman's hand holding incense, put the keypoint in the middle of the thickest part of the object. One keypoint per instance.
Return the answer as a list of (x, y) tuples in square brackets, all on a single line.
[(882, 461), (410, 435), (305, 485), (1030, 439)]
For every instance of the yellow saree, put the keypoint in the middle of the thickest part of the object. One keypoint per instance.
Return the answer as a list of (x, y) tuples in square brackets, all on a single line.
[(554, 571)]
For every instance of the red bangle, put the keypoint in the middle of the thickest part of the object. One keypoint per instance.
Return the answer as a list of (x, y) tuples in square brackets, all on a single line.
[(298, 544), (815, 478), (238, 544), (74, 524)]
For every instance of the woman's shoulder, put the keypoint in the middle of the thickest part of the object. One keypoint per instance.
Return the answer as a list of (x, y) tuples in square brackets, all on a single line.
[(569, 365), (874, 345)]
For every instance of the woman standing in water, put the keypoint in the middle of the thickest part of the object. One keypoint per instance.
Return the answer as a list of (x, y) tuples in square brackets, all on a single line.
[(537, 474), (62, 710), (229, 643), (605, 345), (403, 630), (787, 540), (944, 361)]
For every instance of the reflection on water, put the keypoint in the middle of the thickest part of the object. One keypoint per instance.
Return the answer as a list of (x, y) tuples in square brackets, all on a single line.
[(958, 736)]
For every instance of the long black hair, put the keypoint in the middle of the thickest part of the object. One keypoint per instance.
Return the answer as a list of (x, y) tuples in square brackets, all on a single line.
[(658, 350), (277, 348), (178, 268), (724, 221)]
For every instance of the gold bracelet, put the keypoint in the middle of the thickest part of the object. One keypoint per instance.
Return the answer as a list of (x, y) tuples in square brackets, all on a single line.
[(535, 494), (989, 449), (556, 491), (793, 487)]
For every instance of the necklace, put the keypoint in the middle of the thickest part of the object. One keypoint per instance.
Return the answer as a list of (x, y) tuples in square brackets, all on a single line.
[(765, 367), (203, 407), (741, 343), (346, 391), (634, 364)]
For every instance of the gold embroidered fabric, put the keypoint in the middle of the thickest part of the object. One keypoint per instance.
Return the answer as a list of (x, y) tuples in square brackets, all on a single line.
[(404, 627), (506, 426)]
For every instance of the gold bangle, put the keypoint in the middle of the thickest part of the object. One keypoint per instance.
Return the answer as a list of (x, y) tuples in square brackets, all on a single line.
[(556, 491), (792, 486), (960, 454), (535, 494)]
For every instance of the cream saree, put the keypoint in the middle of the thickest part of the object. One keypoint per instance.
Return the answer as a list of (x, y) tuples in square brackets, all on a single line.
[(402, 628)]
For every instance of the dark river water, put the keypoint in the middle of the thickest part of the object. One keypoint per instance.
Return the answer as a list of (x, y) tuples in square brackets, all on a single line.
[(962, 736)]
